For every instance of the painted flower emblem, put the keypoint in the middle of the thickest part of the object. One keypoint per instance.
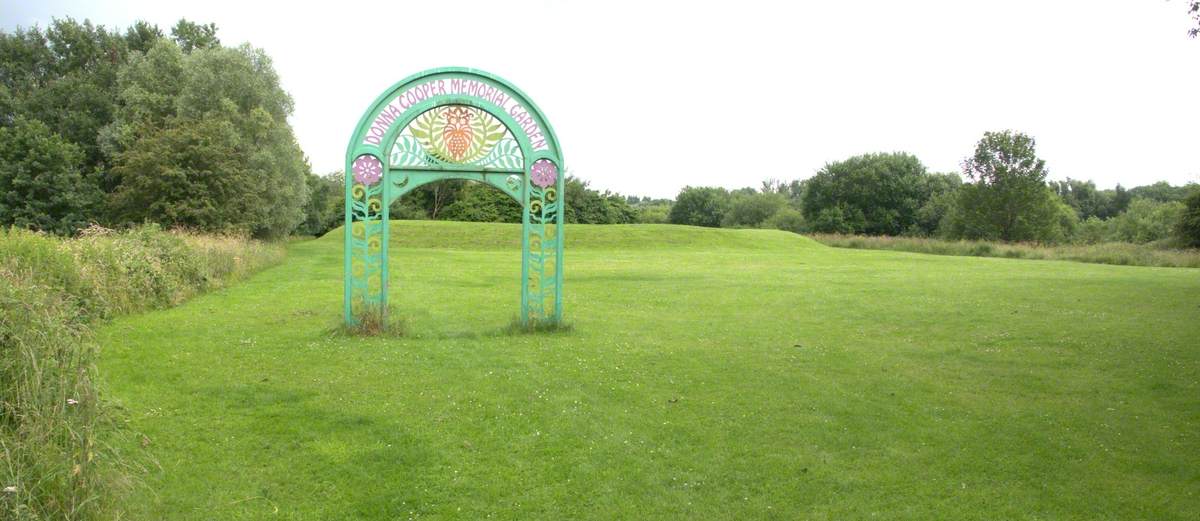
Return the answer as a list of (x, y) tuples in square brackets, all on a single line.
[(543, 173), (367, 169)]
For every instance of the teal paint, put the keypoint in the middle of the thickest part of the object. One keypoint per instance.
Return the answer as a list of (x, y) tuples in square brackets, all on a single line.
[(453, 123)]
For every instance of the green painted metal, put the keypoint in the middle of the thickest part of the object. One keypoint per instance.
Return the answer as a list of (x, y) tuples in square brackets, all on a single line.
[(453, 123)]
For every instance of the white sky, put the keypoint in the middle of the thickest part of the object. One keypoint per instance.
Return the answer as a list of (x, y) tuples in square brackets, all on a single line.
[(647, 97)]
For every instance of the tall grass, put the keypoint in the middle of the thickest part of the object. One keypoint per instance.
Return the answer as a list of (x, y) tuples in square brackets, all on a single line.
[(54, 463), (1119, 253)]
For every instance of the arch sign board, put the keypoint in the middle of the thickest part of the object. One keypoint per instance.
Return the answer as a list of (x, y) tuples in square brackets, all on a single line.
[(453, 123)]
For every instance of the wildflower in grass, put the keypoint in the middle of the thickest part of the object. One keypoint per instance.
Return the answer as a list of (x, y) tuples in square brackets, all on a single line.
[(72, 401), (11, 489)]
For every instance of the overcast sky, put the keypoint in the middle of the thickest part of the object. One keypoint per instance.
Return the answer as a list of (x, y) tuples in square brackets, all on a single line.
[(647, 97)]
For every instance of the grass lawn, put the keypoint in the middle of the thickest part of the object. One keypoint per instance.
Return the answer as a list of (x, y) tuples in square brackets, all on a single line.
[(711, 374)]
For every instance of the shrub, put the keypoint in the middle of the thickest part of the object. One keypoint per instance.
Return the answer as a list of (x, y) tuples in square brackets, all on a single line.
[(41, 183), (699, 206), (1187, 228), (1147, 221), (752, 210), (788, 219)]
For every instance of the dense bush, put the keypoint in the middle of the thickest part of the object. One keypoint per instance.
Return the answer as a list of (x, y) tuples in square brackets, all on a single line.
[(787, 219), (50, 291), (752, 209), (699, 206), (1146, 221), (587, 206), (482, 203), (652, 212), (41, 184), (326, 204), (1088, 201), (1188, 228), (875, 194)]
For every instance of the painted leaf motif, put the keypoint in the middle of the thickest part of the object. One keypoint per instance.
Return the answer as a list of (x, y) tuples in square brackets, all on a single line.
[(408, 152)]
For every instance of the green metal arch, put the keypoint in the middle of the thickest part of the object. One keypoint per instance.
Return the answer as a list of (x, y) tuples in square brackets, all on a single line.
[(366, 239)]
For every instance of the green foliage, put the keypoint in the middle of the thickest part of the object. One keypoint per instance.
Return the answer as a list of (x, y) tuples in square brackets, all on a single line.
[(587, 206), (751, 210), (875, 194), (1188, 227), (121, 100), (834, 219), (211, 150), (700, 206), (787, 219), (1146, 221), (326, 204), (55, 441), (1088, 201), (1162, 192), (652, 212), (1008, 199), (41, 186), (482, 203), (191, 36), (66, 79)]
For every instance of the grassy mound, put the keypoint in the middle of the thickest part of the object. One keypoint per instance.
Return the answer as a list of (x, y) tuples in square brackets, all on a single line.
[(450, 235)]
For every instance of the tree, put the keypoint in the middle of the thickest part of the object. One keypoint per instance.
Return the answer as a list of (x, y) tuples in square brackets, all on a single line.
[(326, 200), (942, 190), (1161, 191), (587, 206), (483, 203), (191, 36), (700, 206), (787, 219), (875, 194), (1083, 197), (752, 210), (1188, 226), (202, 140), (1008, 198), (1147, 220), (41, 186)]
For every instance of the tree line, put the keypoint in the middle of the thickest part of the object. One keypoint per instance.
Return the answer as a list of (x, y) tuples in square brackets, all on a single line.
[(125, 127), (1004, 197)]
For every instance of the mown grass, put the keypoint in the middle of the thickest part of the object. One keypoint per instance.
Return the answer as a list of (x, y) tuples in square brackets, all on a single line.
[(57, 460), (1117, 253), (709, 374)]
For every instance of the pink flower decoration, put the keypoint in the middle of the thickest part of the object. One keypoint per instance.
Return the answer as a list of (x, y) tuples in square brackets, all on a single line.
[(367, 169), (543, 173)]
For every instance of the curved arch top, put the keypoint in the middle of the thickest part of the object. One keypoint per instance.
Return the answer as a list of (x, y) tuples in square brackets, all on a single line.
[(458, 84)]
